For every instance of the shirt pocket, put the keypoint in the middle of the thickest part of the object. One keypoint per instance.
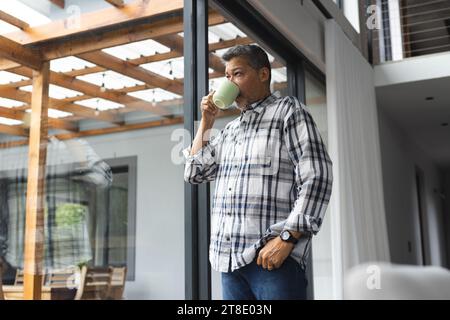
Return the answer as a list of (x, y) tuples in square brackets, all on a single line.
[(264, 152), (252, 228)]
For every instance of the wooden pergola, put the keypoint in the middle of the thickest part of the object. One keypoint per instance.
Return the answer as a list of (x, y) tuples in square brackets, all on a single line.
[(28, 53)]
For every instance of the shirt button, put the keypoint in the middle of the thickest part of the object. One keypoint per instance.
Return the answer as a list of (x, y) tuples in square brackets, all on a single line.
[(229, 189), (228, 238)]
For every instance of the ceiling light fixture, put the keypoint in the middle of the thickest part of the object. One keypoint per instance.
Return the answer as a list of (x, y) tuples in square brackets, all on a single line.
[(103, 88), (154, 99), (97, 111), (171, 69)]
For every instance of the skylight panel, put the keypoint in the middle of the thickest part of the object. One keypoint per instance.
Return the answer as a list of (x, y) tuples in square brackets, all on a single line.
[(53, 113), (68, 64), (100, 104), (122, 52), (172, 68), (155, 95), (7, 28), (212, 37), (226, 31), (8, 103), (110, 79), (23, 12), (7, 77), (10, 122), (148, 47), (136, 49), (56, 92)]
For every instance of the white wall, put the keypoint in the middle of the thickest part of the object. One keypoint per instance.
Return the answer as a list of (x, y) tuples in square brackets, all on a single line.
[(399, 158), (413, 69)]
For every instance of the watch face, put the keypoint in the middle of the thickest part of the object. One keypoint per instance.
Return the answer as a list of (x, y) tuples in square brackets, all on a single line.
[(285, 235)]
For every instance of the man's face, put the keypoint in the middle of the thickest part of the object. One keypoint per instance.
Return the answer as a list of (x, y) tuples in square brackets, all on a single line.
[(252, 83)]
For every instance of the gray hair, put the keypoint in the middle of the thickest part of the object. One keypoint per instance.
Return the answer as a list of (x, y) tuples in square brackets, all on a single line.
[(256, 57)]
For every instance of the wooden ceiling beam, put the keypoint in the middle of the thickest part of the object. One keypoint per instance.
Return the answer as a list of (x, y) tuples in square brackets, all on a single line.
[(93, 90), (122, 128), (61, 104), (17, 53), (229, 43), (89, 113), (59, 3), (92, 21), (142, 60), (63, 124), (133, 71), (85, 112), (94, 41), (6, 64), (163, 56), (84, 71), (100, 40), (14, 130), (64, 104), (111, 95), (13, 20), (175, 42), (35, 200), (13, 113), (116, 3)]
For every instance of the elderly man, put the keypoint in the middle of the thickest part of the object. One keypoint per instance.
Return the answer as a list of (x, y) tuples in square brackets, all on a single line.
[(273, 184)]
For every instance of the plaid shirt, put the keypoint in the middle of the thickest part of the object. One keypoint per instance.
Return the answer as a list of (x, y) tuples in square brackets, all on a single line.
[(272, 173)]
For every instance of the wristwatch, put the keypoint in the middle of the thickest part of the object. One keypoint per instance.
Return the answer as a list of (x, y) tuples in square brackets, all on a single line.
[(288, 237)]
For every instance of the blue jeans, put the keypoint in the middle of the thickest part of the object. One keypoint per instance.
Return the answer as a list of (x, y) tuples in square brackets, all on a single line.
[(253, 282)]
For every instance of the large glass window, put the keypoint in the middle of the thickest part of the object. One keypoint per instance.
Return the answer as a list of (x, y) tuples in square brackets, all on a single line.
[(350, 8), (114, 189)]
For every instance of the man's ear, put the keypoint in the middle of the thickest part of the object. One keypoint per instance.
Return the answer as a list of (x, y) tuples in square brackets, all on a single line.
[(264, 74)]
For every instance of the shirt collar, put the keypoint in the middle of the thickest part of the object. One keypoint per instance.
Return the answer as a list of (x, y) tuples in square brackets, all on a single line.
[(259, 105)]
